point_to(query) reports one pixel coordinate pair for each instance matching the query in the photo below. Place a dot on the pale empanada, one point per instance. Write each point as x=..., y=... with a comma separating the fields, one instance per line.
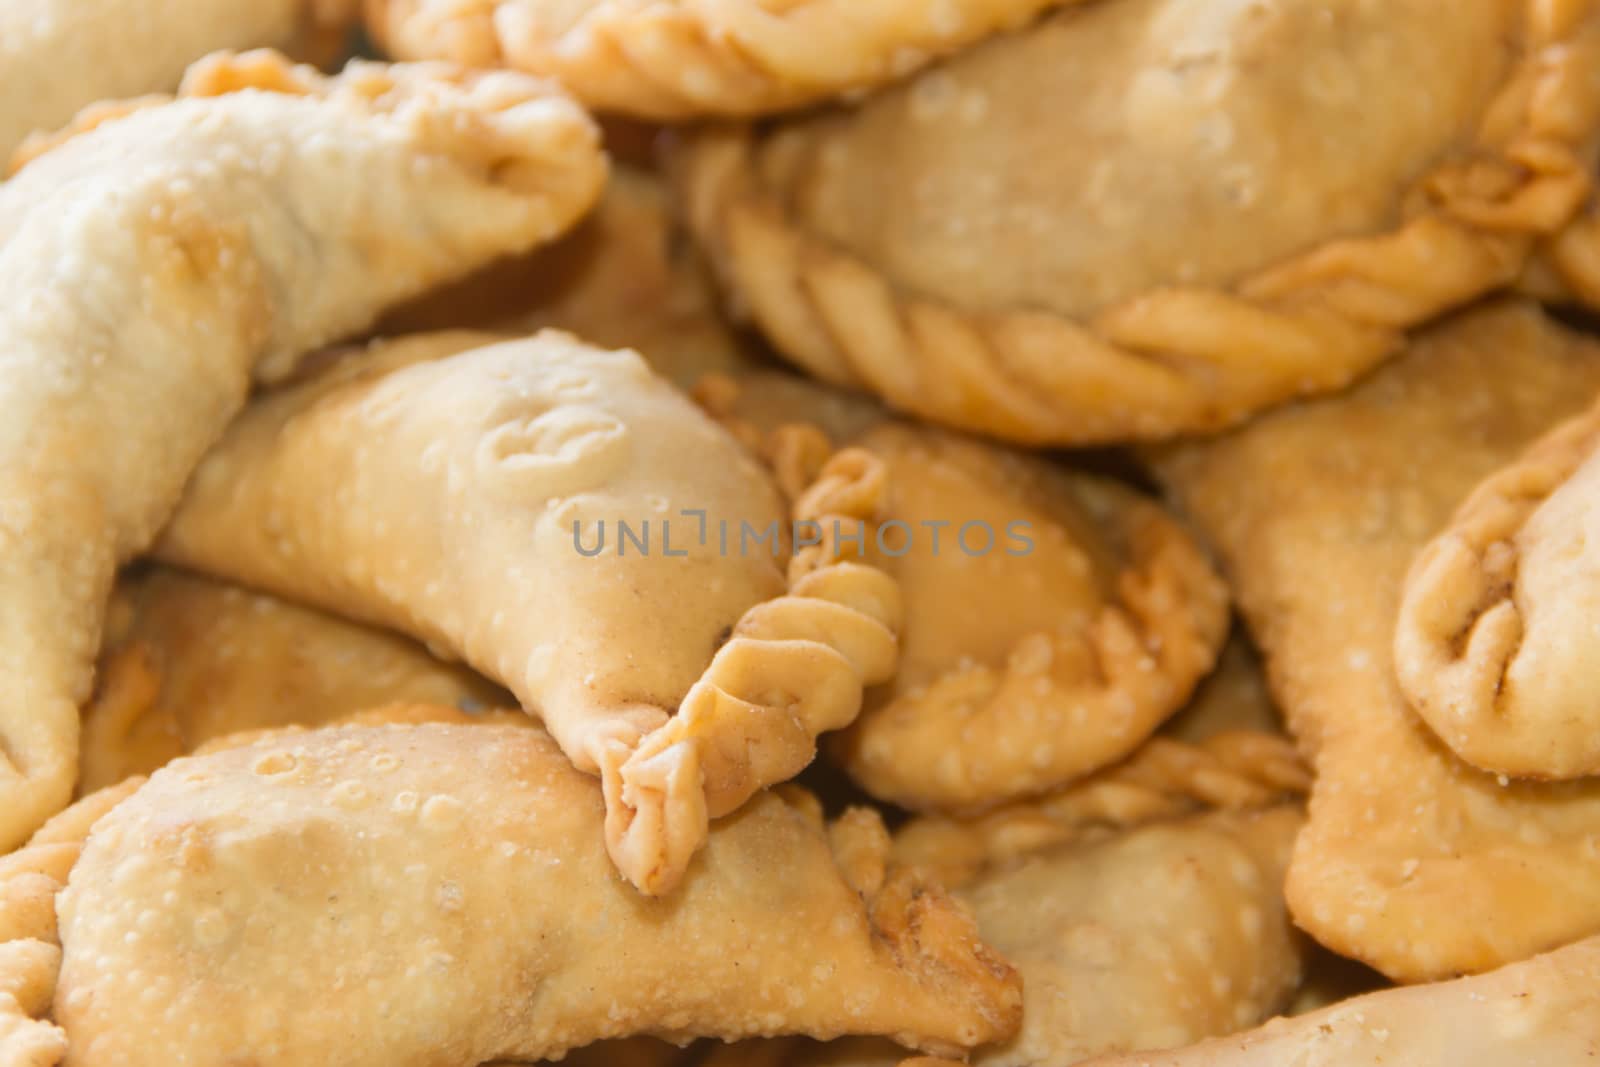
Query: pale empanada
x=474, y=499
x=1495, y=644
x=154, y=262
x=200, y=659
x=1412, y=860
x=626, y=277
x=59, y=56
x=1053, y=618
x=1539, y=1013
x=452, y=902
x=1141, y=217
x=676, y=59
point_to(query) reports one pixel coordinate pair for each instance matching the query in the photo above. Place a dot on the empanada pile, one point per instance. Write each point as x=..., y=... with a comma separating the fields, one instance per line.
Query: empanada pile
x=799, y=533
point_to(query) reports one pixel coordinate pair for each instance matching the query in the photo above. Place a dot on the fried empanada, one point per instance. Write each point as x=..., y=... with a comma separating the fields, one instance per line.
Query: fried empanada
x=625, y=278
x=678, y=59
x=452, y=902
x=59, y=56
x=153, y=263
x=1053, y=618
x=1495, y=644
x=1142, y=217
x=1146, y=940
x=200, y=659
x=1412, y=860
x=465, y=498
x=1538, y=1012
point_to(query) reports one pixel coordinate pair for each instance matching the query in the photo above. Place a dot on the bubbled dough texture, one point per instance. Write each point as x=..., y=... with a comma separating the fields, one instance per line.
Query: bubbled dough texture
x=57, y=56
x=1153, y=939
x=1555, y=670
x=229, y=659
x=436, y=492
x=975, y=608
x=1137, y=143
x=435, y=894
x=1412, y=860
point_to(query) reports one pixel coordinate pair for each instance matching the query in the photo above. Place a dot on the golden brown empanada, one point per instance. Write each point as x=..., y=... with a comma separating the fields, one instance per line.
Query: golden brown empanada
x=1412, y=860
x=1142, y=217
x=153, y=263
x=58, y=56
x=452, y=902
x=473, y=496
x=676, y=59
x=1495, y=644
x=1053, y=618
x=200, y=659
x=1538, y=1012
x=626, y=277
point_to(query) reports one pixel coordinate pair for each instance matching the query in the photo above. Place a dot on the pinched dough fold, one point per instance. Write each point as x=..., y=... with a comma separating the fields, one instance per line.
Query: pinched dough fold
x=1145, y=217
x=473, y=495
x=155, y=262
x=1495, y=644
x=453, y=902
x=678, y=59
x=1412, y=860
x=59, y=56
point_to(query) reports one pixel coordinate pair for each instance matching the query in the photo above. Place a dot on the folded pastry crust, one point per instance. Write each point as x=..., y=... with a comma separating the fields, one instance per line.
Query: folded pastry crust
x=1054, y=618
x=626, y=277
x=1539, y=1011
x=198, y=659
x=473, y=496
x=454, y=903
x=1144, y=217
x=58, y=56
x=155, y=262
x=1495, y=643
x=1412, y=860
x=678, y=59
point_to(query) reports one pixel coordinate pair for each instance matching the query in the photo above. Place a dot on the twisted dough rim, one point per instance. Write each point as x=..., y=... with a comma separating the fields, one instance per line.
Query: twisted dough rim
x=672, y=60
x=1459, y=627
x=30, y=942
x=1137, y=661
x=1175, y=359
x=792, y=668
x=1239, y=770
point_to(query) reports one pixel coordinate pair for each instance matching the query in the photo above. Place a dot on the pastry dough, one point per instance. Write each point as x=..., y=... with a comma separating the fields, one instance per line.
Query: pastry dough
x=461, y=500
x=58, y=56
x=677, y=59
x=1495, y=644
x=1053, y=618
x=153, y=262
x=452, y=887
x=625, y=278
x=1540, y=1011
x=200, y=659
x=1143, y=217
x=1412, y=860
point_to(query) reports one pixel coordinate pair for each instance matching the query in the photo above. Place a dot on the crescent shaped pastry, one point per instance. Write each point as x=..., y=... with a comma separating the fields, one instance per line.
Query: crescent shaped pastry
x=1146, y=217
x=1494, y=643
x=59, y=56
x=626, y=277
x=680, y=59
x=475, y=498
x=199, y=659
x=1412, y=860
x=154, y=262
x=1054, y=618
x=1539, y=1011
x=453, y=902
